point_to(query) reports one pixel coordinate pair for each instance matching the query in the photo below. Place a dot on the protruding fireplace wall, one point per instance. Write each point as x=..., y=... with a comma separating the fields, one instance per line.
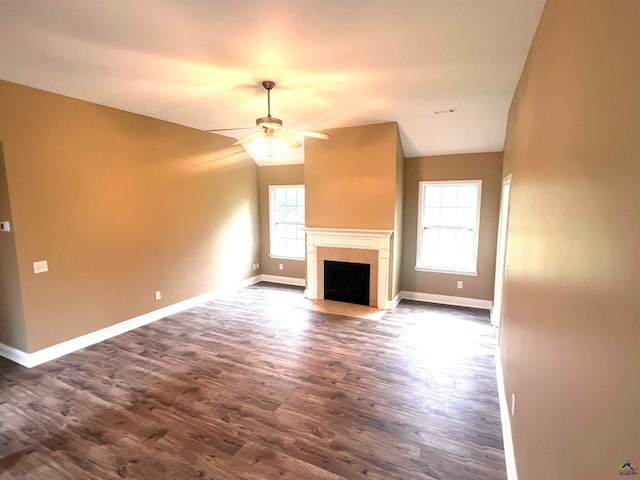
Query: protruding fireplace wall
x=351, y=183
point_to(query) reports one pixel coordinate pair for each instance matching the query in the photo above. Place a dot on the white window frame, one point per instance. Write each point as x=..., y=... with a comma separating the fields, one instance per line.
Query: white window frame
x=420, y=267
x=272, y=189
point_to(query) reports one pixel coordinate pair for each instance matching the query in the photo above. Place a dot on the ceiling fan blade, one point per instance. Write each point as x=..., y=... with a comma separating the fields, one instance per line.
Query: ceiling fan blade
x=292, y=142
x=229, y=129
x=271, y=127
x=248, y=138
x=306, y=133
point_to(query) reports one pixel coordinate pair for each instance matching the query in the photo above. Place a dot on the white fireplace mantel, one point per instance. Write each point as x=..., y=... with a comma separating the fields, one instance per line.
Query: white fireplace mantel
x=379, y=240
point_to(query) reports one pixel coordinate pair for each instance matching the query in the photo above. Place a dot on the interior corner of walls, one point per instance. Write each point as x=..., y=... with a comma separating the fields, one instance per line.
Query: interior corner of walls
x=15, y=355
x=393, y=302
x=13, y=330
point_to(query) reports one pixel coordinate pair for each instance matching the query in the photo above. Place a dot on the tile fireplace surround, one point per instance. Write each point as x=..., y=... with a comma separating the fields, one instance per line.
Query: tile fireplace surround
x=346, y=245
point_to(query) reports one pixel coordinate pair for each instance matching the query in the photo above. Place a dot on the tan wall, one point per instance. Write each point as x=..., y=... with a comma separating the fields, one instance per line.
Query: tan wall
x=476, y=166
x=571, y=320
x=277, y=175
x=120, y=206
x=398, y=233
x=12, y=326
x=350, y=179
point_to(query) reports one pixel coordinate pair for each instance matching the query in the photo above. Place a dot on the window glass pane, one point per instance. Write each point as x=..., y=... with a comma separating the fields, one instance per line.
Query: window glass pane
x=432, y=216
x=432, y=195
x=466, y=217
x=291, y=213
x=279, y=246
x=280, y=197
x=450, y=196
x=292, y=247
x=287, y=221
x=431, y=237
x=447, y=235
x=468, y=195
x=292, y=196
x=449, y=214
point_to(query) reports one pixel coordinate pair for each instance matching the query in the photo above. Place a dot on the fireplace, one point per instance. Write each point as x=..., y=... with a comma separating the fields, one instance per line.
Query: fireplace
x=347, y=282
x=370, y=247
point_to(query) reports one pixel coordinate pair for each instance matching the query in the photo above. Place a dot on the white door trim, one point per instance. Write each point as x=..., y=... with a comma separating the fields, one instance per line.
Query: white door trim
x=501, y=253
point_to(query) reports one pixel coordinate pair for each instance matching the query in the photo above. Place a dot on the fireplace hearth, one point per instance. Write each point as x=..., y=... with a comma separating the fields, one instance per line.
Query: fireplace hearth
x=347, y=282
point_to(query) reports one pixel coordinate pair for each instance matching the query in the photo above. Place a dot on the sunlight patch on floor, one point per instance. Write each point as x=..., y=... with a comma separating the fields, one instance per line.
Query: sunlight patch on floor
x=340, y=308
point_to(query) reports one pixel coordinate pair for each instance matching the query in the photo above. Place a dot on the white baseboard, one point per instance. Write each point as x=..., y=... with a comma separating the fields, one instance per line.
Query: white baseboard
x=446, y=300
x=14, y=354
x=391, y=304
x=509, y=456
x=299, y=282
x=50, y=353
x=55, y=351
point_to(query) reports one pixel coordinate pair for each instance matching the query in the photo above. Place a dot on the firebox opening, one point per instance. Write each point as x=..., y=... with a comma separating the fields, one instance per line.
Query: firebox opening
x=347, y=282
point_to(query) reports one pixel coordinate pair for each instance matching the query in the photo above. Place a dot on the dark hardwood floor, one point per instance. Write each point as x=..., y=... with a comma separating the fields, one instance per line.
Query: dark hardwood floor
x=251, y=388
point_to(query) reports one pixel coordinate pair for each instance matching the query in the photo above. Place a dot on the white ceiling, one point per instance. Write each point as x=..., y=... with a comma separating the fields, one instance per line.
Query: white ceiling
x=336, y=62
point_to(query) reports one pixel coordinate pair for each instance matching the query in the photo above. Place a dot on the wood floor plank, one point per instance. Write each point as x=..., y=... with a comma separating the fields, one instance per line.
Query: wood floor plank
x=254, y=386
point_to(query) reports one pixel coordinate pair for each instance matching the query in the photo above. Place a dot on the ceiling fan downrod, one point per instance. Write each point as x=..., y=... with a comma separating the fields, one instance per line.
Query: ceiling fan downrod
x=269, y=121
x=268, y=85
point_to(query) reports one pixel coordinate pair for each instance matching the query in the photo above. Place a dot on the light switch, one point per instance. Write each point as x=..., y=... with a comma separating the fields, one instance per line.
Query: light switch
x=40, y=267
x=5, y=227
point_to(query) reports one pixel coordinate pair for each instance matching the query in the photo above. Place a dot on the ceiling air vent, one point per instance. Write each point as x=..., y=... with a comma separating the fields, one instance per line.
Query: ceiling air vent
x=448, y=110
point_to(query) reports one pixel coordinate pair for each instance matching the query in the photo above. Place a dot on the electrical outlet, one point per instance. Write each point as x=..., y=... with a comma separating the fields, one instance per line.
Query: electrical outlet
x=257, y=265
x=253, y=266
x=5, y=227
x=158, y=295
x=513, y=404
x=281, y=267
x=459, y=283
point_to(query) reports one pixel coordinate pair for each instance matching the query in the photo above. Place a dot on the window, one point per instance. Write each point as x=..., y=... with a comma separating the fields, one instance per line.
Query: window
x=286, y=218
x=448, y=226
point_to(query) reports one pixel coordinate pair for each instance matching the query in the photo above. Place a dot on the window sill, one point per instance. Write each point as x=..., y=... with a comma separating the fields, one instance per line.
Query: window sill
x=283, y=257
x=447, y=272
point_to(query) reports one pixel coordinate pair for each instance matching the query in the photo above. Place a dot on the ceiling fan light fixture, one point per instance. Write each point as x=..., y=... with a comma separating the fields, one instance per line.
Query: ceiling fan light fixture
x=270, y=146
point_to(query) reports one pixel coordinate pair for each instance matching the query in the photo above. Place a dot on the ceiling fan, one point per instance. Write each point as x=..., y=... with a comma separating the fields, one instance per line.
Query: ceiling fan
x=270, y=137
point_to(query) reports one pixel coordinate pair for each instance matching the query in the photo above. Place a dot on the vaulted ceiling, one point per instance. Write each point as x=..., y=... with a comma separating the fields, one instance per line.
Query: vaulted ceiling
x=336, y=63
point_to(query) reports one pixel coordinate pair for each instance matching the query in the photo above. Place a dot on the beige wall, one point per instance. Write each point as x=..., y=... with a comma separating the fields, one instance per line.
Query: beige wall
x=398, y=234
x=277, y=175
x=477, y=166
x=571, y=320
x=120, y=206
x=12, y=327
x=351, y=178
